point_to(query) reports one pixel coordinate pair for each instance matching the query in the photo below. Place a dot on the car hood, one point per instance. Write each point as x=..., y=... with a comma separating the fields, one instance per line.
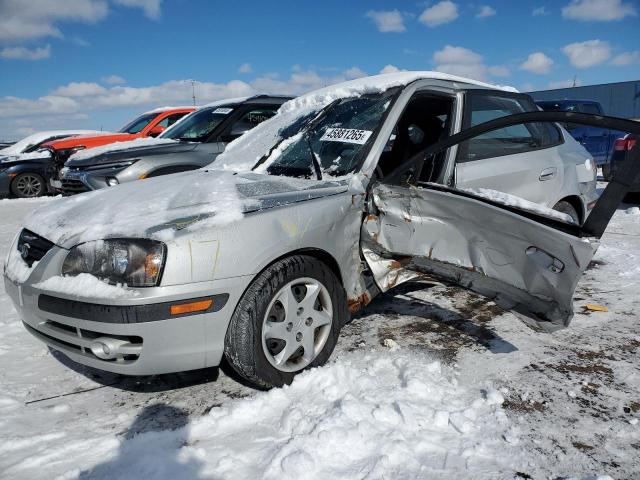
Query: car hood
x=160, y=207
x=130, y=153
x=89, y=140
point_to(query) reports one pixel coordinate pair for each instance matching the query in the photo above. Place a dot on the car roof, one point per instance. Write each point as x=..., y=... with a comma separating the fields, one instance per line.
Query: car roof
x=255, y=99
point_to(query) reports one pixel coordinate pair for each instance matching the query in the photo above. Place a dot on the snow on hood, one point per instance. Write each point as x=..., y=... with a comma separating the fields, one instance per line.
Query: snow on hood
x=36, y=138
x=26, y=156
x=112, y=147
x=156, y=207
x=243, y=153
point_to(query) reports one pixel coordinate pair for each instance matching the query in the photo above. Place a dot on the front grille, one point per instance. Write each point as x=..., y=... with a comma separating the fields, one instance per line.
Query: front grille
x=32, y=247
x=70, y=186
x=79, y=341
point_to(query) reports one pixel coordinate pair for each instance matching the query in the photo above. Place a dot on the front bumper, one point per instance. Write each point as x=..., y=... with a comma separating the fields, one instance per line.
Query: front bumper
x=151, y=346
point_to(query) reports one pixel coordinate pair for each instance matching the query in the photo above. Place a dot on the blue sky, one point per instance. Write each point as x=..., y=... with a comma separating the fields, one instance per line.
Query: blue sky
x=96, y=63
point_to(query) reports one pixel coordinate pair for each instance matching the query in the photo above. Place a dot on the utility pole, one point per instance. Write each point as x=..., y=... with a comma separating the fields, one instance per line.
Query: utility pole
x=575, y=78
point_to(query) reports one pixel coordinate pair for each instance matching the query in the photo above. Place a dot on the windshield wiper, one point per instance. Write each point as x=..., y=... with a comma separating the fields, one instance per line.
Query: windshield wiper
x=306, y=129
x=314, y=158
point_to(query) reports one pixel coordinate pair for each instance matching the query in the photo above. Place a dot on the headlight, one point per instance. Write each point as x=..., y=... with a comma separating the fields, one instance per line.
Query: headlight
x=134, y=262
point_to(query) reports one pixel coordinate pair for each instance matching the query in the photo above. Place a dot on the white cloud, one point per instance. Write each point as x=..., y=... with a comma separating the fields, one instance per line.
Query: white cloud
x=587, y=54
x=598, y=10
x=538, y=63
x=151, y=8
x=564, y=84
x=466, y=63
x=387, y=21
x=80, y=89
x=24, y=20
x=113, y=80
x=626, y=58
x=440, y=13
x=485, y=11
x=23, y=53
x=245, y=68
x=390, y=69
x=354, y=72
x=540, y=11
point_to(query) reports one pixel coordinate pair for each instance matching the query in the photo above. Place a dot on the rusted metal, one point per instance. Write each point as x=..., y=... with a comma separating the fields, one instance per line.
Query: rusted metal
x=356, y=304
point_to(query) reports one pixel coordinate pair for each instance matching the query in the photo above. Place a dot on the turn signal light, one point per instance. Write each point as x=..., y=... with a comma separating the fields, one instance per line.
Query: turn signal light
x=199, y=306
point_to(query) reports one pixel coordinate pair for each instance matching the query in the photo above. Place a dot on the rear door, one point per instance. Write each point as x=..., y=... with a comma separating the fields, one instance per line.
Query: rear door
x=501, y=247
x=519, y=160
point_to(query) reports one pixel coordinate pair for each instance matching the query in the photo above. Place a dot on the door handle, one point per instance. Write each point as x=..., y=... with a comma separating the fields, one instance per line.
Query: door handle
x=547, y=174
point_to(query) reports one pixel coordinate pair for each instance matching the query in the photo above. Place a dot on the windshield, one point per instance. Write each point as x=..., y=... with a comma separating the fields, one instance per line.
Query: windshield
x=198, y=126
x=339, y=138
x=139, y=123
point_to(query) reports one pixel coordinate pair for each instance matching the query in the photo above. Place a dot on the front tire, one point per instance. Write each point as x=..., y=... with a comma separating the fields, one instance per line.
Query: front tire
x=288, y=320
x=28, y=185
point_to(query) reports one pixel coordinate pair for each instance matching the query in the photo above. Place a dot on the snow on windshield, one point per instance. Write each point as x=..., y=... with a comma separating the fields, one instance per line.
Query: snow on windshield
x=113, y=147
x=243, y=153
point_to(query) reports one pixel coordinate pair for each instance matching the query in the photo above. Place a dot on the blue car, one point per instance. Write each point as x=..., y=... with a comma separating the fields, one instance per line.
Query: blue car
x=597, y=141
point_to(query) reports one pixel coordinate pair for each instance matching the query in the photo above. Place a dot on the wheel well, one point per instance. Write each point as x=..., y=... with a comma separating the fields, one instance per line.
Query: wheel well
x=316, y=253
x=575, y=203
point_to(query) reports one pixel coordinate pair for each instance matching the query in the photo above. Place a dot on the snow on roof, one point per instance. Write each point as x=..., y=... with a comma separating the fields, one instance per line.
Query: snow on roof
x=244, y=152
x=164, y=109
x=39, y=137
x=226, y=101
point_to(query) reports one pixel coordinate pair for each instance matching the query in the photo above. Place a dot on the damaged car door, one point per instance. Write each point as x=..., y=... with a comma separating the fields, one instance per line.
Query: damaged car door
x=523, y=260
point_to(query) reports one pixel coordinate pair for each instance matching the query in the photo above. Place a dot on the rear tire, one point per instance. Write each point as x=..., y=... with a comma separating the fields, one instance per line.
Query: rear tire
x=28, y=185
x=565, y=207
x=606, y=172
x=288, y=320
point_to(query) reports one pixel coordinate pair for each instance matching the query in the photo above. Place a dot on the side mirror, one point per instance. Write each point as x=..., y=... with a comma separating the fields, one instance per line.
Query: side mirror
x=155, y=131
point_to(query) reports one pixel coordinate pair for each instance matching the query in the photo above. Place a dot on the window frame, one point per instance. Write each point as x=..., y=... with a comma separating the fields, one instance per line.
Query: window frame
x=463, y=148
x=224, y=129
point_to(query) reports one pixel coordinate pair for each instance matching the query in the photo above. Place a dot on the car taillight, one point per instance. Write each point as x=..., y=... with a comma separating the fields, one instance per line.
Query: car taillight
x=624, y=144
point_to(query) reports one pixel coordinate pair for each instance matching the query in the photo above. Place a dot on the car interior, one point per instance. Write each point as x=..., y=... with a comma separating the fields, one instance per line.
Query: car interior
x=425, y=121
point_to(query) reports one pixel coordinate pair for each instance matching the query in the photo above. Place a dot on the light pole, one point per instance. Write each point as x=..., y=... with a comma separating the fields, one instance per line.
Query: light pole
x=193, y=90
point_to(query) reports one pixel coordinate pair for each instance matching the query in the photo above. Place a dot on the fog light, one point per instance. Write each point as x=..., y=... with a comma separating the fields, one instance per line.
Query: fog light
x=112, y=181
x=101, y=350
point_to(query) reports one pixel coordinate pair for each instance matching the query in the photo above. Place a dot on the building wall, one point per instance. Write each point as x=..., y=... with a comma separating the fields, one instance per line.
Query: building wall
x=617, y=99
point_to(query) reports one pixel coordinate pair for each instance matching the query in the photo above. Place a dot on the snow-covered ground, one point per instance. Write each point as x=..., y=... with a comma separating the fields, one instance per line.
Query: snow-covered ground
x=427, y=382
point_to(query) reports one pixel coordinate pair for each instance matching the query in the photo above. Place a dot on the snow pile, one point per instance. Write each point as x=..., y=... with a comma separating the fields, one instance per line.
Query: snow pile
x=373, y=415
x=518, y=202
x=147, y=208
x=85, y=285
x=116, y=146
x=243, y=153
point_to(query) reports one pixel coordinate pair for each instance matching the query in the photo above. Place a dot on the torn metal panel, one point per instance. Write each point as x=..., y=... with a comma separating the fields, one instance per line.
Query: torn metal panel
x=521, y=264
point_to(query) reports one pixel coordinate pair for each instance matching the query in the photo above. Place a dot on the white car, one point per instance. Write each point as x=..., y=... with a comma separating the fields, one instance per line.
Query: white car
x=345, y=193
x=31, y=143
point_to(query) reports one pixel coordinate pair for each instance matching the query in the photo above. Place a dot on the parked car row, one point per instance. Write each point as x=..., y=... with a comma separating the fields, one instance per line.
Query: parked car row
x=342, y=194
